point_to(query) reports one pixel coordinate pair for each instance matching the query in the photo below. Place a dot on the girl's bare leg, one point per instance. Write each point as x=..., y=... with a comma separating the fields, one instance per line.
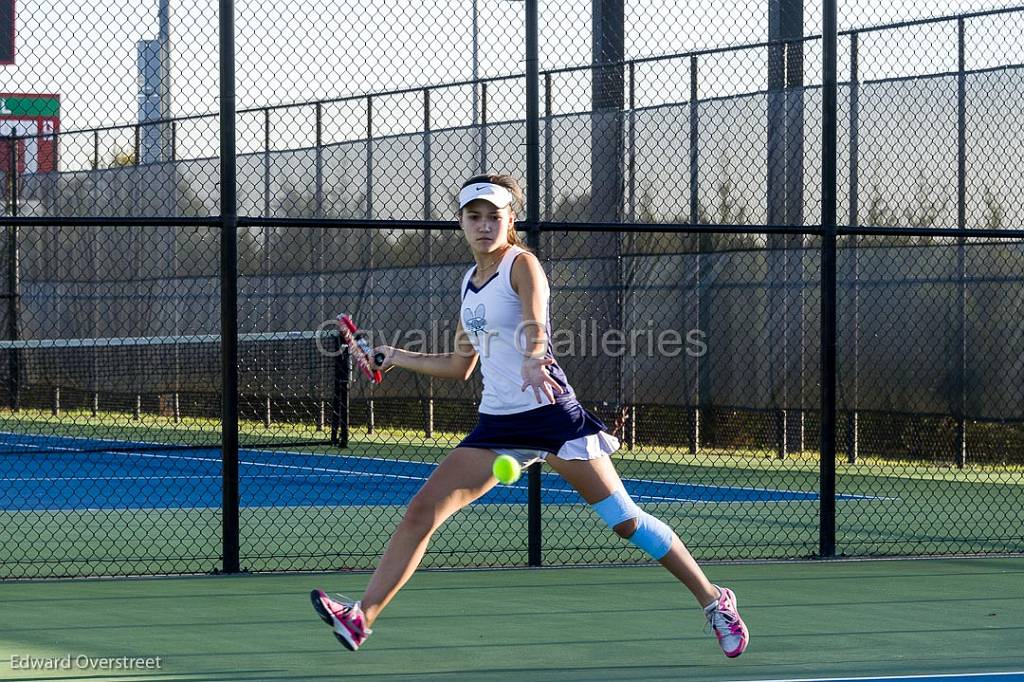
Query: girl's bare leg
x=596, y=479
x=463, y=476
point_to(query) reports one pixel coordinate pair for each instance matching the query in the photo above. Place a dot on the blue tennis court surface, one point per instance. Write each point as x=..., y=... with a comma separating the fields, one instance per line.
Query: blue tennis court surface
x=53, y=473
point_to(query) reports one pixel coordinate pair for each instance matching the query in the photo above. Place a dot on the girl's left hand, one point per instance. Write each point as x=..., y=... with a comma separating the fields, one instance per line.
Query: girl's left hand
x=535, y=376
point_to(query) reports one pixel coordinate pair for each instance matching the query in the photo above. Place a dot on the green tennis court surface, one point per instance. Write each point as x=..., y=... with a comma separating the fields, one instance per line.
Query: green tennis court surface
x=870, y=619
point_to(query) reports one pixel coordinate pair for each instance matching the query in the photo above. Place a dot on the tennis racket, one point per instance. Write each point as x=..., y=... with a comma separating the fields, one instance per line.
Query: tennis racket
x=362, y=353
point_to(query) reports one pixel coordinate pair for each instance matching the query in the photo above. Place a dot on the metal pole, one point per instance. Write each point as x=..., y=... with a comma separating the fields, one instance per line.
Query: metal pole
x=626, y=278
x=175, y=271
x=165, y=78
x=55, y=159
x=263, y=354
x=340, y=402
x=483, y=128
x=549, y=151
x=629, y=416
x=229, y=289
x=703, y=246
x=369, y=157
x=960, y=454
x=428, y=246
x=321, y=301
x=631, y=153
x=318, y=162
x=13, y=281
x=372, y=307
x=94, y=311
x=534, y=529
x=694, y=167
x=827, y=529
x=476, y=61
x=853, y=420
x=266, y=167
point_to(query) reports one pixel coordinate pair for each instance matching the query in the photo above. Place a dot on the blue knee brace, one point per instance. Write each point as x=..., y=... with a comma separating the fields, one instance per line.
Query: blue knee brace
x=652, y=535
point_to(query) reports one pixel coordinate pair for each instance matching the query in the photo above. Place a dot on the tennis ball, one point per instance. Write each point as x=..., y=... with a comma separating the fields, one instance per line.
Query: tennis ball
x=506, y=469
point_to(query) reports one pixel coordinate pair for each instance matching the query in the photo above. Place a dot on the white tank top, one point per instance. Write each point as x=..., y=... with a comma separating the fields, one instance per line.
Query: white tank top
x=491, y=317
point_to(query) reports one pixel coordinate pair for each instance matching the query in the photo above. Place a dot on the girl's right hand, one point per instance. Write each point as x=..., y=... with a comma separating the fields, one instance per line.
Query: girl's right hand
x=536, y=376
x=389, y=357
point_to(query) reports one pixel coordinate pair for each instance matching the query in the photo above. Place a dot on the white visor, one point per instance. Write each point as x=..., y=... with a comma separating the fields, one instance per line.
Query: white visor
x=496, y=194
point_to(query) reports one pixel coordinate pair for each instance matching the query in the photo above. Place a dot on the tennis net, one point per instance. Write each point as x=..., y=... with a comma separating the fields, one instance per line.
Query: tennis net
x=165, y=391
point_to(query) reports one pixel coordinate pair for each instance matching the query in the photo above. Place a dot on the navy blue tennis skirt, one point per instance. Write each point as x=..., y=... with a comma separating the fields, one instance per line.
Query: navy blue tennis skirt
x=544, y=428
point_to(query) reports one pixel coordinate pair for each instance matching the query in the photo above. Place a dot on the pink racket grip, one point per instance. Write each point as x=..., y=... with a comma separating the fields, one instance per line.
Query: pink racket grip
x=373, y=375
x=349, y=324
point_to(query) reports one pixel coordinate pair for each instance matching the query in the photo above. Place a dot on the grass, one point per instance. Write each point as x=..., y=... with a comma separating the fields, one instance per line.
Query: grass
x=388, y=442
x=914, y=508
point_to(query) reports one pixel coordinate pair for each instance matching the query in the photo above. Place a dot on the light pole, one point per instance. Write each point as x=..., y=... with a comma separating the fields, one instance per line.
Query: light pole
x=154, y=65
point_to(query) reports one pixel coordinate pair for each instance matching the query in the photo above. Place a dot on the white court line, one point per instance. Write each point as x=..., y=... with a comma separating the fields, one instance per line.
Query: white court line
x=947, y=676
x=89, y=438
x=323, y=471
x=847, y=496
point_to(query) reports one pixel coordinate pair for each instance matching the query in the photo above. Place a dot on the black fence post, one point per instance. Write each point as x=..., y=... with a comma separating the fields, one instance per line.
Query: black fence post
x=340, y=396
x=853, y=419
x=371, y=305
x=829, y=105
x=549, y=150
x=320, y=264
x=428, y=248
x=483, y=127
x=628, y=413
x=228, y=290
x=534, y=555
x=13, y=280
x=266, y=169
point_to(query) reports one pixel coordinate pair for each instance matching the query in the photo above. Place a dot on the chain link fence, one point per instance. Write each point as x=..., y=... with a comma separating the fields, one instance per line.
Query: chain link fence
x=785, y=269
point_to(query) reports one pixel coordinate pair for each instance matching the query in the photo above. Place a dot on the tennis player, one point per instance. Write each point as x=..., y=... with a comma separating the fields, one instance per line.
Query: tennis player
x=528, y=410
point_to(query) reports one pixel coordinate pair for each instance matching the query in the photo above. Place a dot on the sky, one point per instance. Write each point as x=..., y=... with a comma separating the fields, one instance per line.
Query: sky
x=314, y=49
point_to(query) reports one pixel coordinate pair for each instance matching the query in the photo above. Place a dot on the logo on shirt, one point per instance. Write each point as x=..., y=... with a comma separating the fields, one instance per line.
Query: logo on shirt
x=474, y=320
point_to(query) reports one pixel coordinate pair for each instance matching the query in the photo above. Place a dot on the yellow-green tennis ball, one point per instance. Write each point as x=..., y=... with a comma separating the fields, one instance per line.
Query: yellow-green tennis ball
x=506, y=469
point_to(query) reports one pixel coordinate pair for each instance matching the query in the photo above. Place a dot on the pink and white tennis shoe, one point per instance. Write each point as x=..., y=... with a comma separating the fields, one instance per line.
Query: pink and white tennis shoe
x=725, y=620
x=345, y=617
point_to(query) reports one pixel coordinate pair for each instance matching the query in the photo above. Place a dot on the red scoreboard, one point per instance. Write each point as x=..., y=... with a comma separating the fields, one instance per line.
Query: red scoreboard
x=31, y=122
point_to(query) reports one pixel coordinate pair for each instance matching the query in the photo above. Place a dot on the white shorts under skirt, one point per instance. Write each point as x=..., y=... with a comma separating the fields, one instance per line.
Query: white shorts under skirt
x=588, y=447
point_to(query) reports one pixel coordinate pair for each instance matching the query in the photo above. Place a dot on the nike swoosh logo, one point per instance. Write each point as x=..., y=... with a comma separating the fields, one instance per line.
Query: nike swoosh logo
x=480, y=188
